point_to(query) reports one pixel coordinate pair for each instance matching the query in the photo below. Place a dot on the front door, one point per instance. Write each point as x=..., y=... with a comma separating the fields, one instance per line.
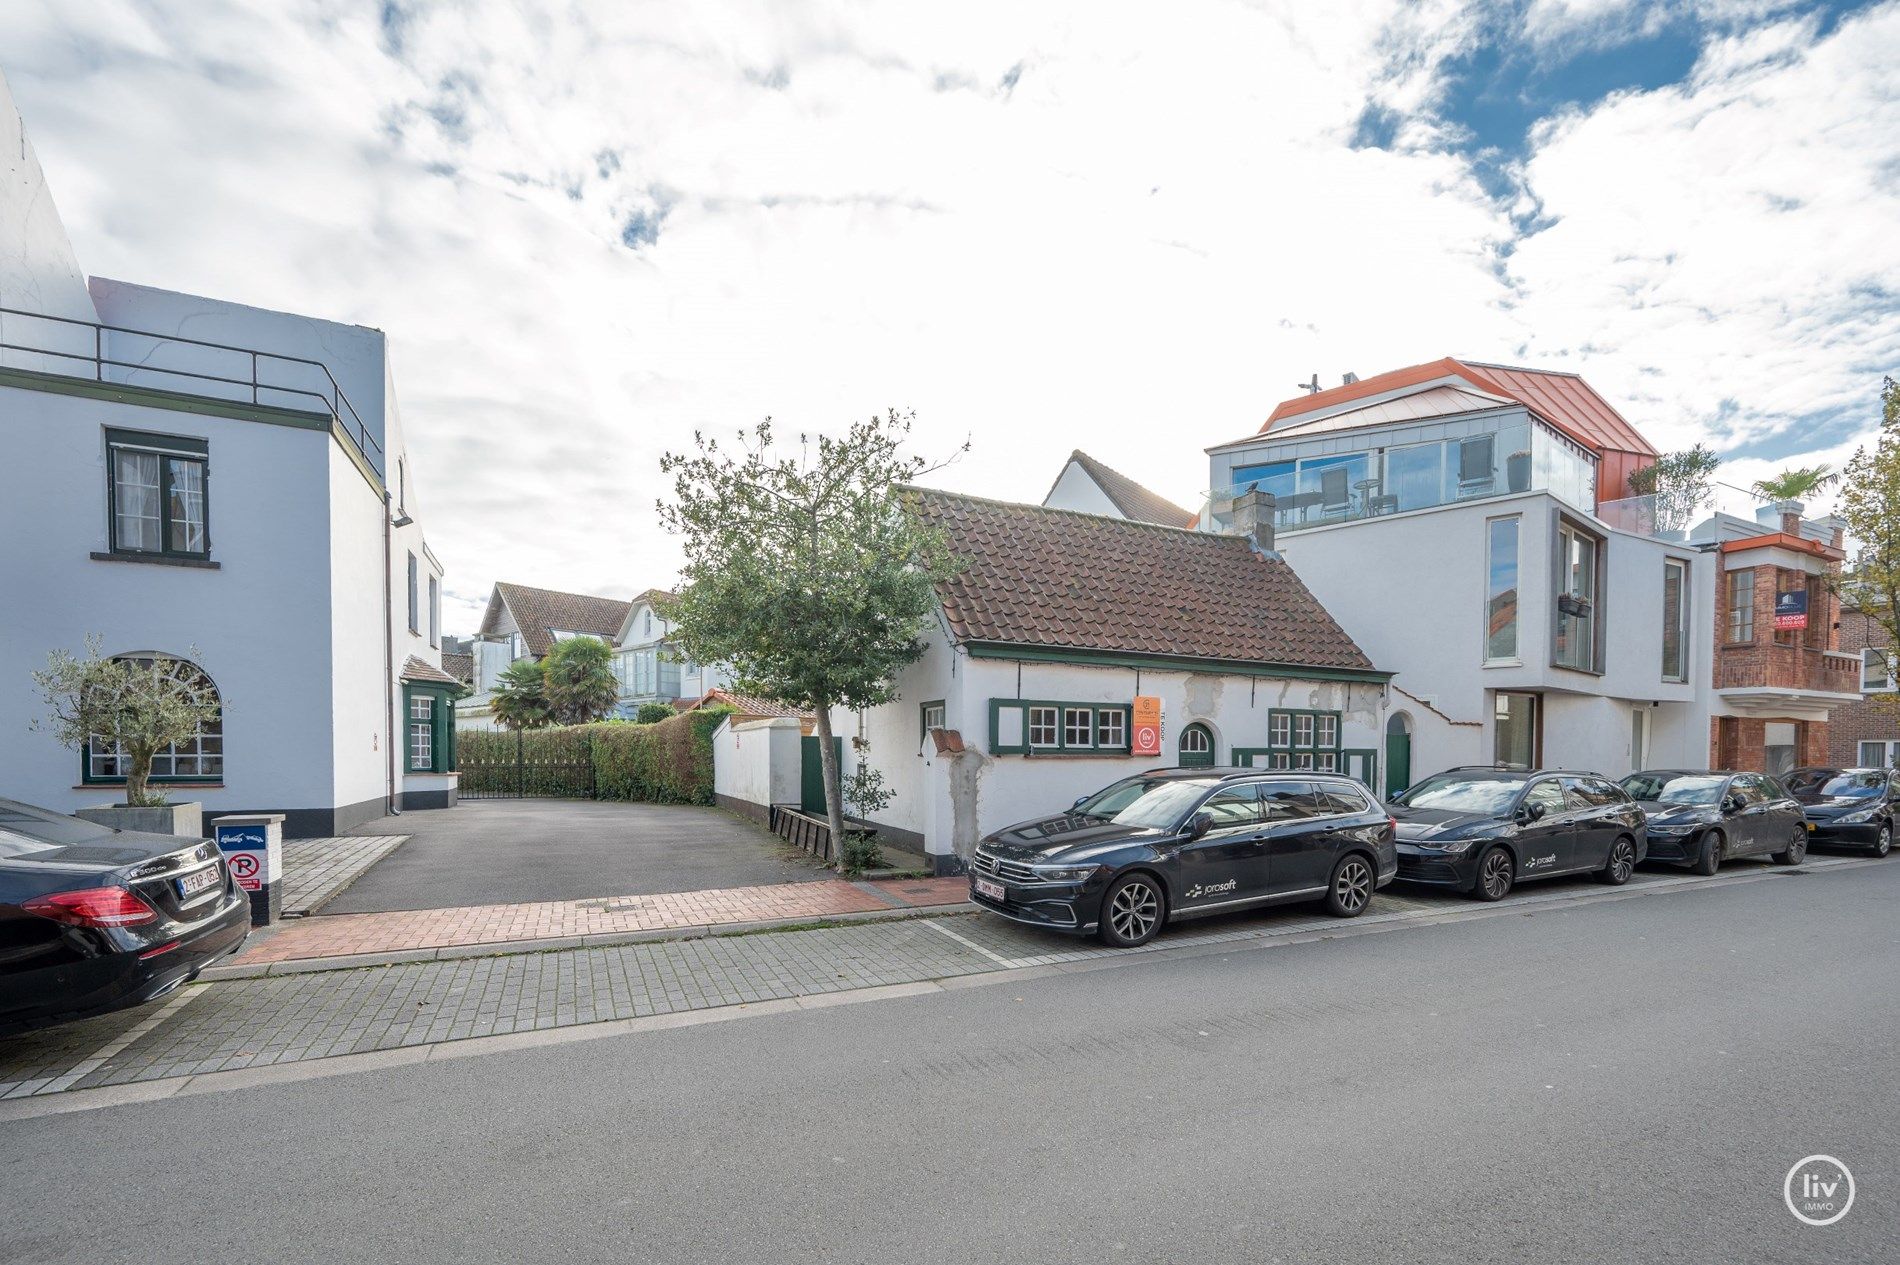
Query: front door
x=1544, y=846
x=811, y=771
x=1299, y=844
x=1398, y=756
x=1196, y=749
x=1228, y=863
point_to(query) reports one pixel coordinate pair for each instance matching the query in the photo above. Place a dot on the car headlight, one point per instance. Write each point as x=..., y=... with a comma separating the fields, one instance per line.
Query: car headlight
x=1670, y=827
x=1859, y=815
x=1066, y=873
x=1453, y=846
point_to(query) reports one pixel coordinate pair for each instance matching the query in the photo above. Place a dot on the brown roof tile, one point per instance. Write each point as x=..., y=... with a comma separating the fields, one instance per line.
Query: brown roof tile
x=459, y=666
x=751, y=705
x=1063, y=579
x=1133, y=500
x=538, y=613
x=414, y=669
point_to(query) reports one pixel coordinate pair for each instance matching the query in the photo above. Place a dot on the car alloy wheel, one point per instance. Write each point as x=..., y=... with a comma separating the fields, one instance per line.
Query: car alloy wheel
x=1797, y=850
x=1883, y=842
x=1622, y=863
x=1351, y=890
x=1132, y=911
x=1496, y=874
x=1709, y=859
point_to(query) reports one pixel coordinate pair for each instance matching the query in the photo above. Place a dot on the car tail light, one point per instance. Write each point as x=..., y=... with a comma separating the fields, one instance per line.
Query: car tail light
x=93, y=907
x=1394, y=823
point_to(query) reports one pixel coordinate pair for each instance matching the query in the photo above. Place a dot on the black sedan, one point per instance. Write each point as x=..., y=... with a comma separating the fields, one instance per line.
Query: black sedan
x=94, y=919
x=1701, y=818
x=1852, y=808
x=1178, y=843
x=1484, y=830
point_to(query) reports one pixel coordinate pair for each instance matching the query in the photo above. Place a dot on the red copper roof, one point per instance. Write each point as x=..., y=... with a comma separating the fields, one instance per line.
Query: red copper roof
x=1564, y=400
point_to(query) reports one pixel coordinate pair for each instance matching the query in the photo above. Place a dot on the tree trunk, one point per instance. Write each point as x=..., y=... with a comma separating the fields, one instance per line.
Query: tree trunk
x=138, y=771
x=834, y=782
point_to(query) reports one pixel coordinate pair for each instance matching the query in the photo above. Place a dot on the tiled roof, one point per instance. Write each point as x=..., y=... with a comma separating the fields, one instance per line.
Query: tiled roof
x=1061, y=579
x=538, y=613
x=414, y=669
x=459, y=666
x=1564, y=400
x=1133, y=500
x=751, y=705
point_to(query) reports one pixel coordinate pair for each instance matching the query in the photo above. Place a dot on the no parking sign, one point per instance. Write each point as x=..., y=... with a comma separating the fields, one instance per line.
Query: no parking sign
x=253, y=847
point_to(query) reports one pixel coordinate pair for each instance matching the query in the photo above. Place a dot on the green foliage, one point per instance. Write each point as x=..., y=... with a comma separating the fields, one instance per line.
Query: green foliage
x=1870, y=506
x=861, y=852
x=143, y=704
x=803, y=570
x=1797, y=483
x=666, y=763
x=520, y=698
x=579, y=680
x=1680, y=483
x=653, y=713
x=865, y=791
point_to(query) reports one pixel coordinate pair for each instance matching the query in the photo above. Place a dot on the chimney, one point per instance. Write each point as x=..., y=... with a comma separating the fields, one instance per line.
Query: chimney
x=1791, y=522
x=1253, y=518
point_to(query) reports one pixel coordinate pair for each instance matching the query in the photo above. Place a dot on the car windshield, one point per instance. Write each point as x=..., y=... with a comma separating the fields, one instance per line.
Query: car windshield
x=1463, y=793
x=1675, y=788
x=1847, y=783
x=1156, y=802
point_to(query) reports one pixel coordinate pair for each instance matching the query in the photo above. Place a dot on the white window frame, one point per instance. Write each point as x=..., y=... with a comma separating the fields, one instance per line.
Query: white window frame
x=421, y=733
x=1078, y=720
x=1889, y=749
x=1280, y=730
x=1885, y=682
x=1111, y=728
x=1034, y=721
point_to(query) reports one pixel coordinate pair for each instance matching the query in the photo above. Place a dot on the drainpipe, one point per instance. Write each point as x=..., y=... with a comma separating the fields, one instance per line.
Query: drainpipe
x=390, y=807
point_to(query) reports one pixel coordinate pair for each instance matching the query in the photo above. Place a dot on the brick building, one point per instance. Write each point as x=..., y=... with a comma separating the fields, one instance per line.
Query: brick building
x=1866, y=732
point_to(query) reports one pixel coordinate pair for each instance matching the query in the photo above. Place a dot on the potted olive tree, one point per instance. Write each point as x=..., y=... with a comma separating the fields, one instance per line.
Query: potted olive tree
x=141, y=706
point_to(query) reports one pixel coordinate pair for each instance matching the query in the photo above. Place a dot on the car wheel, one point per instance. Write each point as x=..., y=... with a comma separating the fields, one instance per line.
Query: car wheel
x=1797, y=850
x=1710, y=859
x=1497, y=873
x=1133, y=909
x=1351, y=889
x=1883, y=842
x=1622, y=863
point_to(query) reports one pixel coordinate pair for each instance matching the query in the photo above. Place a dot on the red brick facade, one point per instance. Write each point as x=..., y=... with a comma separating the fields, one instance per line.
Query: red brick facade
x=1877, y=719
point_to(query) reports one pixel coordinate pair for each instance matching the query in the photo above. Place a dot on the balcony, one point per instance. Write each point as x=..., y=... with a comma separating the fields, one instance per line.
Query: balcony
x=1765, y=678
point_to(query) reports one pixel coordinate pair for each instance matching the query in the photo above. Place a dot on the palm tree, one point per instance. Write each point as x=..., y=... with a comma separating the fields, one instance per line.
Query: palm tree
x=520, y=698
x=1796, y=483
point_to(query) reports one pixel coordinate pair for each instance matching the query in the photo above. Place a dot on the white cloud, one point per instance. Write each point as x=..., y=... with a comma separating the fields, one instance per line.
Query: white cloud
x=1043, y=227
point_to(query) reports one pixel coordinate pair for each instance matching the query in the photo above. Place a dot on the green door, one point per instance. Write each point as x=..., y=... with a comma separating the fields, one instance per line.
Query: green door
x=1196, y=750
x=1398, y=760
x=811, y=773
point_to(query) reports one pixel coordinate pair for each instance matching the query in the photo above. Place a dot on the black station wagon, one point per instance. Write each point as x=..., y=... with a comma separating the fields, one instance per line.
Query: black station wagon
x=1178, y=843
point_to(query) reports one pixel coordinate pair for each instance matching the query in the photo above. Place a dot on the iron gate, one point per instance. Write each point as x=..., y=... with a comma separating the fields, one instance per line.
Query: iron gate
x=545, y=765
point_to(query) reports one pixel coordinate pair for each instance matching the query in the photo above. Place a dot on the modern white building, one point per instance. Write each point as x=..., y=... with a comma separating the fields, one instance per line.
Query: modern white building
x=1077, y=648
x=1473, y=527
x=650, y=668
x=227, y=488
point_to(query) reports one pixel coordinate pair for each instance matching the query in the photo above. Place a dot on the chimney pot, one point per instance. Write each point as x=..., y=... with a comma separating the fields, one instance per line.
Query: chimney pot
x=1253, y=518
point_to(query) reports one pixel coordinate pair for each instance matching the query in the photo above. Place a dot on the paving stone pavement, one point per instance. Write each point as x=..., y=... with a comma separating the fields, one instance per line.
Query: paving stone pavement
x=317, y=870
x=290, y=1018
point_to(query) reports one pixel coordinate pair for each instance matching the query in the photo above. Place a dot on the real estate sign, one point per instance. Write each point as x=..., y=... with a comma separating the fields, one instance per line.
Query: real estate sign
x=1147, y=718
x=1791, y=609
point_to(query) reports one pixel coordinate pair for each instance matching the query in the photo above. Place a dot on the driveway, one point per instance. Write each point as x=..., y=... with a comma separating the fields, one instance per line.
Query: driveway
x=508, y=851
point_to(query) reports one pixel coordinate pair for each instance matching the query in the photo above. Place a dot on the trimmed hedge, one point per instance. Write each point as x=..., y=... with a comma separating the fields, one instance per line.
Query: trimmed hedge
x=670, y=762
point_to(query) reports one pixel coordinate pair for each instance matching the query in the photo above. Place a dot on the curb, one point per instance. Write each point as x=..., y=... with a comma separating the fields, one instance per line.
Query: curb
x=597, y=940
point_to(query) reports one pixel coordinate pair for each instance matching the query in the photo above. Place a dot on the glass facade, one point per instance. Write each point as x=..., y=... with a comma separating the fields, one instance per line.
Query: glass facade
x=1500, y=606
x=1576, y=599
x=1515, y=730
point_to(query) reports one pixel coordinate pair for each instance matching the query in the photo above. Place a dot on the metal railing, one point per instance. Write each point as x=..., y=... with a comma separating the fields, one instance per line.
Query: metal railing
x=262, y=392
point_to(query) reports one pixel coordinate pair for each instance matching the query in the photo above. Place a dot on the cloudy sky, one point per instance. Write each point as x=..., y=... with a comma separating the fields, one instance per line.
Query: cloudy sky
x=590, y=228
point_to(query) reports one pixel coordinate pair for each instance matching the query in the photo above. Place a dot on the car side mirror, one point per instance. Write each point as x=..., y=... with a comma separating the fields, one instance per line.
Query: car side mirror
x=1731, y=803
x=1199, y=824
x=1531, y=812
x=1079, y=801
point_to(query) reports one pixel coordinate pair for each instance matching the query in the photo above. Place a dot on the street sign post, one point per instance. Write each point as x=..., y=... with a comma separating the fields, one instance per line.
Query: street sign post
x=253, y=847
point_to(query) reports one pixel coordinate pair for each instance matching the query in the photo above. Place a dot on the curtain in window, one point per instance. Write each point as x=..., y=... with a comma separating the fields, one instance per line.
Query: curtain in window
x=135, y=507
x=187, y=505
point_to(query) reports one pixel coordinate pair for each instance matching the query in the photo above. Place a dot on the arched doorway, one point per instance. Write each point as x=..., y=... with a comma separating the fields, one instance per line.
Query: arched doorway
x=1196, y=750
x=1398, y=753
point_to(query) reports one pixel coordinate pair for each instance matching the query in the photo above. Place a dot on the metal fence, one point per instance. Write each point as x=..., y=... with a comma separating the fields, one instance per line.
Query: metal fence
x=500, y=765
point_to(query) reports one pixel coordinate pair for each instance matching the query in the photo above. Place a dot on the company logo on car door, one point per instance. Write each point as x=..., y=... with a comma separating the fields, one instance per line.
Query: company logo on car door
x=1212, y=889
x=1538, y=863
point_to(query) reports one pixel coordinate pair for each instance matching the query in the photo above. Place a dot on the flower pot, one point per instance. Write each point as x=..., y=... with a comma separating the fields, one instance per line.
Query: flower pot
x=165, y=819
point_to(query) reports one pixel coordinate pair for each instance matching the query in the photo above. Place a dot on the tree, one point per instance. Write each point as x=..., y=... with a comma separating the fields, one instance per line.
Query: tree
x=653, y=713
x=1870, y=506
x=520, y=698
x=1679, y=482
x=579, y=682
x=1796, y=483
x=804, y=572
x=141, y=705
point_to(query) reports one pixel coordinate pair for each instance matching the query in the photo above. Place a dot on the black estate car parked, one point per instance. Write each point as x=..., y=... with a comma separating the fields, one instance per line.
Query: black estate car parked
x=94, y=919
x=1483, y=830
x=1854, y=808
x=1176, y=843
x=1701, y=818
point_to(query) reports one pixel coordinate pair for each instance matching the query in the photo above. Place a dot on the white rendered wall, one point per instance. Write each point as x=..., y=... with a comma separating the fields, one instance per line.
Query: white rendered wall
x=1075, y=490
x=757, y=761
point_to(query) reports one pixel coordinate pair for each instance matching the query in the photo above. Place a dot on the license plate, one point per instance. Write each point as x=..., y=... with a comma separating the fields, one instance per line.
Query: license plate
x=1810, y=826
x=994, y=891
x=198, y=884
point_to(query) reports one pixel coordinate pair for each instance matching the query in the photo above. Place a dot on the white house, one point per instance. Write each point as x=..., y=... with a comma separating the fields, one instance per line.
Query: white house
x=1077, y=648
x=225, y=489
x=1086, y=484
x=523, y=622
x=650, y=668
x=1472, y=526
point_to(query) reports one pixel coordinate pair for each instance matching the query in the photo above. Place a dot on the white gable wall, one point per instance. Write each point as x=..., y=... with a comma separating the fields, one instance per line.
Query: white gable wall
x=1075, y=490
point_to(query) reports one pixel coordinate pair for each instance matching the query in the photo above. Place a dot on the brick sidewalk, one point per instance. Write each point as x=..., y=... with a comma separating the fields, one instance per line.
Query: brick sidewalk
x=339, y=935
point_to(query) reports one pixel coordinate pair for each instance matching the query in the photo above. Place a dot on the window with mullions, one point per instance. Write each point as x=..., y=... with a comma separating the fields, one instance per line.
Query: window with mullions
x=199, y=758
x=158, y=495
x=930, y=716
x=421, y=733
x=1297, y=740
x=429, y=737
x=1023, y=727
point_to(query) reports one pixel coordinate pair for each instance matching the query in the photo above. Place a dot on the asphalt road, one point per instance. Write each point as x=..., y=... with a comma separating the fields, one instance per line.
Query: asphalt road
x=506, y=851
x=1619, y=1081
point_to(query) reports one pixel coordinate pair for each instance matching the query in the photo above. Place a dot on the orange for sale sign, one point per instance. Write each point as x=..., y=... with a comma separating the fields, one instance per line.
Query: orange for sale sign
x=1147, y=735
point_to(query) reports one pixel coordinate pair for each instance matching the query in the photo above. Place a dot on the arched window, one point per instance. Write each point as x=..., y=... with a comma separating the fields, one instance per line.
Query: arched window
x=198, y=759
x=1197, y=746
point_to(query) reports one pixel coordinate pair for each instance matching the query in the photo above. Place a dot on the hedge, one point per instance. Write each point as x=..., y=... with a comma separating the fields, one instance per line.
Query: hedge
x=669, y=762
